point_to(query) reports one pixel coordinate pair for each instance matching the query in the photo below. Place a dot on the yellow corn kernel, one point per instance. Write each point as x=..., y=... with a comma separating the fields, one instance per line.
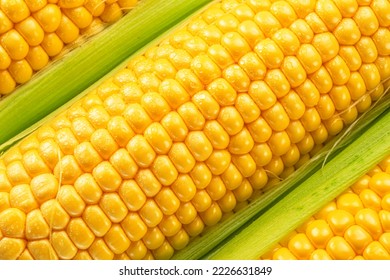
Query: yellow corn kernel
x=170, y=225
x=167, y=201
x=175, y=126
x=370, y=75
x=186, y=213
x=116, y=239
x=320, y=254
x=207, y=105
x=212, y=215
x=261, y=93
x=339, y=221
x=375, y=251
x=380, y=183
x=283, y=12
x=6, y=23
x=247, y=108
x=199, y=146
x=309, y=58
x=201, y=201
x=37, y=58
x=52, y=44
x=79, y=233
x=276, y=117
x=12, y=222
x=267, y=22
x=134, y=227
x=253, y=66
x=302, y=30
x=381, y=34
x=367, y=49
x=270, y=53
x=63, y=246
x=279, y=143
x=49, y=17
x=21, y=71
x=358, y=238
x=349, y=202
x=384, y=240
x=100, y=251
x=338, y=70
x=339, y=249
x=292, y=156
x=7, y=84
x=293, y=105
x=31, y=31
x=241, y=143
x=369, y=220
x=153, y=238
x=132, y=195
x=287, y=41
x=41, y=250
x=151, y=213
x=15, y=45
x=79, y=16
x=327, y=45
x=329, y=13
x=237, y=77
x=232, y=177
x=347, y=32
x=370, y=199
x=227, y=22
x=316, y=23
x=137, y=250
x=283, y=254
x=300, y=246
x=216, y=189
x=6, y=60
x=347, y=8
x=179, y=240
x=277, y=80
x=191, y=116
x=113, y=207
x=67, y=30
x=218, y=161
x=16, y=11
x=366, y=20
x=319, y=233
x=235, y=44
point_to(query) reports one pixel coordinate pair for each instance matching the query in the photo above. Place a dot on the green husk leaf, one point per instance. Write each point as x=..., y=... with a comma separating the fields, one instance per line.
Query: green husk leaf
x=336, y=175
x=70, y=75
x=220, y=234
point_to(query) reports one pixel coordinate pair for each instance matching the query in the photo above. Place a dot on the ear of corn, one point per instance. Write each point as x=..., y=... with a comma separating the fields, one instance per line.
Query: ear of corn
x=188, y=132
x=34, y=32
x=355, y=225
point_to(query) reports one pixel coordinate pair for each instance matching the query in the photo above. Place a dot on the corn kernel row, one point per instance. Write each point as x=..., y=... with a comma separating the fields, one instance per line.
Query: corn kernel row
x=355, y=225
x=188, y=132
x=33, y=32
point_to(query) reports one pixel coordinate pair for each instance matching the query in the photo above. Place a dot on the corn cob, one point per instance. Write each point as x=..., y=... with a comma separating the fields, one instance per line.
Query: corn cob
x=169, y=145
x=33, y=33
x=355, y=225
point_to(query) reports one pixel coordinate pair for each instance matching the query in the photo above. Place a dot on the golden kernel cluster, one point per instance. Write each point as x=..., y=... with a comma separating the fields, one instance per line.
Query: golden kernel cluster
x=33, y=32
